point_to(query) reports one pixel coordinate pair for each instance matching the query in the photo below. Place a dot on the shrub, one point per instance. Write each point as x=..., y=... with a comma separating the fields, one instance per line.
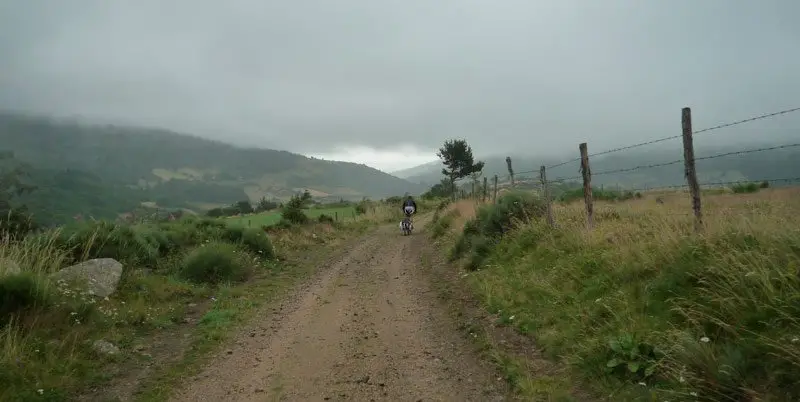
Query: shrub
x=495, y=220
x=323, y=218
x=481, y=249
x=233, y=234
x=214, y=263
x=598, y=194
x=293, y=210
x=745, y=188
x=256, y=241
x=19, y=293
x=103, y=239
x=294, y=215
x=492, y=222
x=215, y=212
x=441, y=224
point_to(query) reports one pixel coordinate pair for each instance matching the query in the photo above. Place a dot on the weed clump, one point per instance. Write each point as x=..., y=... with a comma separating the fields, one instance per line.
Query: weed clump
x=492, y=222
x=257, y=242
x=214, y=263
x=441, y=224
x=19, y=293
x=323, y=218
x=108, y=240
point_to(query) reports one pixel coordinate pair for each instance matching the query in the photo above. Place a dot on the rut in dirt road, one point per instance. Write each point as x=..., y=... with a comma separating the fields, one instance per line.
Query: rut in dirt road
x=368, y=328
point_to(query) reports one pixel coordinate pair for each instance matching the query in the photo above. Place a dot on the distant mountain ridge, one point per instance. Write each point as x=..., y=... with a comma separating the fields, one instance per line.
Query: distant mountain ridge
x=418, y=170
x=156, y=163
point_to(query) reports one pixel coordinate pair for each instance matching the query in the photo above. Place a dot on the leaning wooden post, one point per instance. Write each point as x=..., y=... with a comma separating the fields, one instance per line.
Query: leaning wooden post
x=689, y=171
x=494, y=197
x=485, y=187
x=546, y=191
x=586, y=172
x=510, y=170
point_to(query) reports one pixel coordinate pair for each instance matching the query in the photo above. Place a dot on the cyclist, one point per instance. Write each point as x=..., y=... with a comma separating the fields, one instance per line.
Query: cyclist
x=409, y=207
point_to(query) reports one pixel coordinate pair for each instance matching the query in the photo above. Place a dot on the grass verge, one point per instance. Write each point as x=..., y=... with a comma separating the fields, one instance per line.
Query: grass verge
x=640, y=308
x=170, y=308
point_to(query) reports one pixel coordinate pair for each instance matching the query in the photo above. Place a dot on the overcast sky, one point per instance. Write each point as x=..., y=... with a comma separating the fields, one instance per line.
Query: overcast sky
x=386, y=82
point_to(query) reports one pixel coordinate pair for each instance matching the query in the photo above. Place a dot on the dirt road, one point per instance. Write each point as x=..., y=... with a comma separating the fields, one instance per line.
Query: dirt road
x=369, y=327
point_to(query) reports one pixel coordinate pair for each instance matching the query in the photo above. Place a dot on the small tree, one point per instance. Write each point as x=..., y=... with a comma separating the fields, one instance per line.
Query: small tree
x=244, y=207
x=293, y=209
x=443, y=189
x=456, y=155
x=265, y=205
x=215, y=212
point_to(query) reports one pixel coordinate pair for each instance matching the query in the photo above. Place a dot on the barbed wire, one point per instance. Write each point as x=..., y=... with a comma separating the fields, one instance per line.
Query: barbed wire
x=763, y=116
x=641, y=144
x=748, y=151
x=672, y=137
x=674, y=162
x=563, y=163
x=707, y=185
x=654, y=165
x=717, y=183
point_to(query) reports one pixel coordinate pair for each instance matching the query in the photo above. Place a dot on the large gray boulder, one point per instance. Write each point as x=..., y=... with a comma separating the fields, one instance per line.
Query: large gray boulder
x=98, y=277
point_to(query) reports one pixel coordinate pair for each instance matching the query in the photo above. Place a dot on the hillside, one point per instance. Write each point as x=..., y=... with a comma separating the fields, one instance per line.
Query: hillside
x=419, y=170
x=771, y=164
x=85, y=162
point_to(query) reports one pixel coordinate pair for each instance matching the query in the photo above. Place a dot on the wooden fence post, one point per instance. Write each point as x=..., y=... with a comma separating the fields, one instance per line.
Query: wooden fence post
x=586, y=172
x=485, y=187
x=546, y=190
x=689, y=171
x=473, y=189
x=494, y=197
x=336, y=215
x=510, y=170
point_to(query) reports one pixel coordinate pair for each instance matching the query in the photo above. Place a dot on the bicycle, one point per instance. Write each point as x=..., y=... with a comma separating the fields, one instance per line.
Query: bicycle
x=406, y=226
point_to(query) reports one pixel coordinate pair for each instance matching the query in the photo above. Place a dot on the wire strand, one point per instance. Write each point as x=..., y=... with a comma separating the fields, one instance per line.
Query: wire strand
x=672, y=137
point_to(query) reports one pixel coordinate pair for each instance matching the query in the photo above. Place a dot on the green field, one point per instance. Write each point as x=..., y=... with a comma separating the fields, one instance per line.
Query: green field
x=272, y=217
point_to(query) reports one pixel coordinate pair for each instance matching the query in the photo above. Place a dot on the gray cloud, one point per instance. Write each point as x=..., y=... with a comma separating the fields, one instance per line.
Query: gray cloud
x=309, y=76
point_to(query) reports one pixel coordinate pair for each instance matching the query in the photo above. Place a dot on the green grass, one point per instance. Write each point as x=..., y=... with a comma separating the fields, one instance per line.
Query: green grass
x=641, y=309
x=272, y=217
x=47, y=328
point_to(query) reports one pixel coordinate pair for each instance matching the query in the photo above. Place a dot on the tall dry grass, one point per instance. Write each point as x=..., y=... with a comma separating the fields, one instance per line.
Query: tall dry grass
x=644, y=308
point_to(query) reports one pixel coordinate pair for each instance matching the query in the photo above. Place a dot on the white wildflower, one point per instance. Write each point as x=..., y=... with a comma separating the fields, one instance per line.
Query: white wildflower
x=705, y=339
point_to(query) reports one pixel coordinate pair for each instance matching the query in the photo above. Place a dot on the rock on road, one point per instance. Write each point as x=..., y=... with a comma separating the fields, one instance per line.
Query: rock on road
x=367, y=328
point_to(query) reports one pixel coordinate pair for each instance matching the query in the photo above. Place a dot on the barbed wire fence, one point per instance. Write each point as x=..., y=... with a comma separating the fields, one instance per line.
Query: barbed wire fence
x=481, y=191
